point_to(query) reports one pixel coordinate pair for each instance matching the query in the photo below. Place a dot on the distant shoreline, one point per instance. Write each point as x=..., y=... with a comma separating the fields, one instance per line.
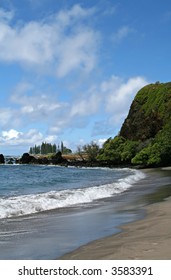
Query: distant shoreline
x=67, y=160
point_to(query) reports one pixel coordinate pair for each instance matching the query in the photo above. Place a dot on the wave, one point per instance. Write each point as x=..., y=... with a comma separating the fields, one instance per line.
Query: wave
x=33, y=203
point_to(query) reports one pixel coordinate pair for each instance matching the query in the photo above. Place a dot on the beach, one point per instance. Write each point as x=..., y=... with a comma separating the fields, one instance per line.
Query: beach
x=48, y=211
x=132, y=223
x=146, y=239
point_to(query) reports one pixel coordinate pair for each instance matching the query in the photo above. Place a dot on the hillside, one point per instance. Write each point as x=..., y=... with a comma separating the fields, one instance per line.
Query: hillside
x=145, y=136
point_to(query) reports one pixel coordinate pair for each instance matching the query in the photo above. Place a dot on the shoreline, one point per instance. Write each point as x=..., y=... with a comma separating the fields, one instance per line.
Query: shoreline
x=148, y=238
x=52, y=234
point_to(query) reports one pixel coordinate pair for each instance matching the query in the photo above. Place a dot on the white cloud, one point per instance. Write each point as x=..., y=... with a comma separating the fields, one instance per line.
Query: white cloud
x=120, y=94
x=5, y=116
x=62, y=42
x=34, y=105
x=32, y=136
x=9, y=117
x=78, y=51
x=11, y=134
x=51, y=139
x=103, y=107
x=26, y=139
x=117, y=96
x=86, y=106
x=100, y=142
x=106, y=105
x=13, y=137
x=122, y=33
x=65, y=17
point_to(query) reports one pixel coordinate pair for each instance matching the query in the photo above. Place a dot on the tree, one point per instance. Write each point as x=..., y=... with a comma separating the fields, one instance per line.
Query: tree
x=43, y=149
x=80, y=152
x=48, y=148
x=158, y=152
x=66, y=150
x=36, y=149
x=54, y=149
x=129, y=150
x=91, y=150
x=62, y=147
x=112, y=150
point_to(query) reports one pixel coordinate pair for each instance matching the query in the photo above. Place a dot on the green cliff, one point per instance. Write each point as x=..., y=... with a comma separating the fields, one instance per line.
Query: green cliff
x=145, y=136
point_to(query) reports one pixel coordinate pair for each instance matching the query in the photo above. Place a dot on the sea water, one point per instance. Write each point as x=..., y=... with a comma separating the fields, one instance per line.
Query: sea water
x=28, y=189
x=46, y=211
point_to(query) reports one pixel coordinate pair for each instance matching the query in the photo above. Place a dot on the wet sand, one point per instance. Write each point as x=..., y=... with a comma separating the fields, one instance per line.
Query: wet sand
x=51, y=234
x=146, y=239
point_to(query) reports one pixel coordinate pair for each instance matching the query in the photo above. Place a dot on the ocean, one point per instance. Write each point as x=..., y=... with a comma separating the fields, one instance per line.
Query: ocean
x=29, y=189
x=47, y=211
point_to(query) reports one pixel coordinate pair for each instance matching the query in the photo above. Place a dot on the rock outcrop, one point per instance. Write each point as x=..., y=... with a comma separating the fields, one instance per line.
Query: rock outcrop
x=58, y=159
x=2, y=159
x=145, y=136
x=149, y=112
x=27, y=158
x=55, y=159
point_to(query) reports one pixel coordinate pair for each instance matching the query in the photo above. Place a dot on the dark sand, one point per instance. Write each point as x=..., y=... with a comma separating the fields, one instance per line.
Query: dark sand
x=145, y=239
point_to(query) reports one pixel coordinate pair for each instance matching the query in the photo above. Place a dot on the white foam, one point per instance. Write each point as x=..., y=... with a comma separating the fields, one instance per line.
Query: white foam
x=34, y=203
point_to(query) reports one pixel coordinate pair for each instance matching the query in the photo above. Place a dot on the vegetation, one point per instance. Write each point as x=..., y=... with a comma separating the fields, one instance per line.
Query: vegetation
x=158, y=152
x=145, y=136
x=48, y=148
x=118, y=150
x=88, y=152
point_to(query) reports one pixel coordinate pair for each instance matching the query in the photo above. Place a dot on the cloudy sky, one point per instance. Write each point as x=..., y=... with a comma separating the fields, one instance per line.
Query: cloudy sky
x=69, y=69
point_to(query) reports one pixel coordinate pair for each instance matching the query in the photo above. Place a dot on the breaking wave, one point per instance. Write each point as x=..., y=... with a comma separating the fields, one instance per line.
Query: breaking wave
x=33, y=203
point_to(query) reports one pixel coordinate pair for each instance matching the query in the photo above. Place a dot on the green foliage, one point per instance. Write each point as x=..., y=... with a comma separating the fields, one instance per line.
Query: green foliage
x=47, y=148
x=154, y=98
x=148, y=156
x=118, y=150
x=91, y=150
x=164, y=143
x=149, y=112
x=157, y=153
x=145, y=136
x=112, y=150
x=129, y=150
x=44, y=149
x=66, y=151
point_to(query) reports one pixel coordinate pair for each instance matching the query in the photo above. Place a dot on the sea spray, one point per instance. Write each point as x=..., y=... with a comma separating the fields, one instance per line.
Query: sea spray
x=19, y=205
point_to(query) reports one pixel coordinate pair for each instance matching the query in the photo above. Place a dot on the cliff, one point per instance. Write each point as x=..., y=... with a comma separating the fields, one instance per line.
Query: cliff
x=145, y=136
x=149, y=112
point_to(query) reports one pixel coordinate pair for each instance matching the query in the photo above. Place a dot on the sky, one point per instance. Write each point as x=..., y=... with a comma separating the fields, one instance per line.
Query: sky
x=69, y=70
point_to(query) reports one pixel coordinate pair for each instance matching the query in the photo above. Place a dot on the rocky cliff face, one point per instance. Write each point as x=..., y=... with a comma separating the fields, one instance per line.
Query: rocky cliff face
x=145, y=136
x=149, y=112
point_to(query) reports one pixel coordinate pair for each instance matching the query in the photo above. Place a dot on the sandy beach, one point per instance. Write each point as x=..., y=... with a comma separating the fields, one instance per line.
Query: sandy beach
x=134, y=224
x=149, y=238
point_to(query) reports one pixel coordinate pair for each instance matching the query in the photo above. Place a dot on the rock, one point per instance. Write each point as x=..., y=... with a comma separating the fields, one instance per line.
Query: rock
x=145, y=136
x=58, y=159
x=43, y=160
x=149, y=112
x=27, y=158
x=10, y=161
x=2, y=159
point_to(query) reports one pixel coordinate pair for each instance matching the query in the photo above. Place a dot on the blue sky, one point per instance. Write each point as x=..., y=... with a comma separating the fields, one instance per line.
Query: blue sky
x=69, y=69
